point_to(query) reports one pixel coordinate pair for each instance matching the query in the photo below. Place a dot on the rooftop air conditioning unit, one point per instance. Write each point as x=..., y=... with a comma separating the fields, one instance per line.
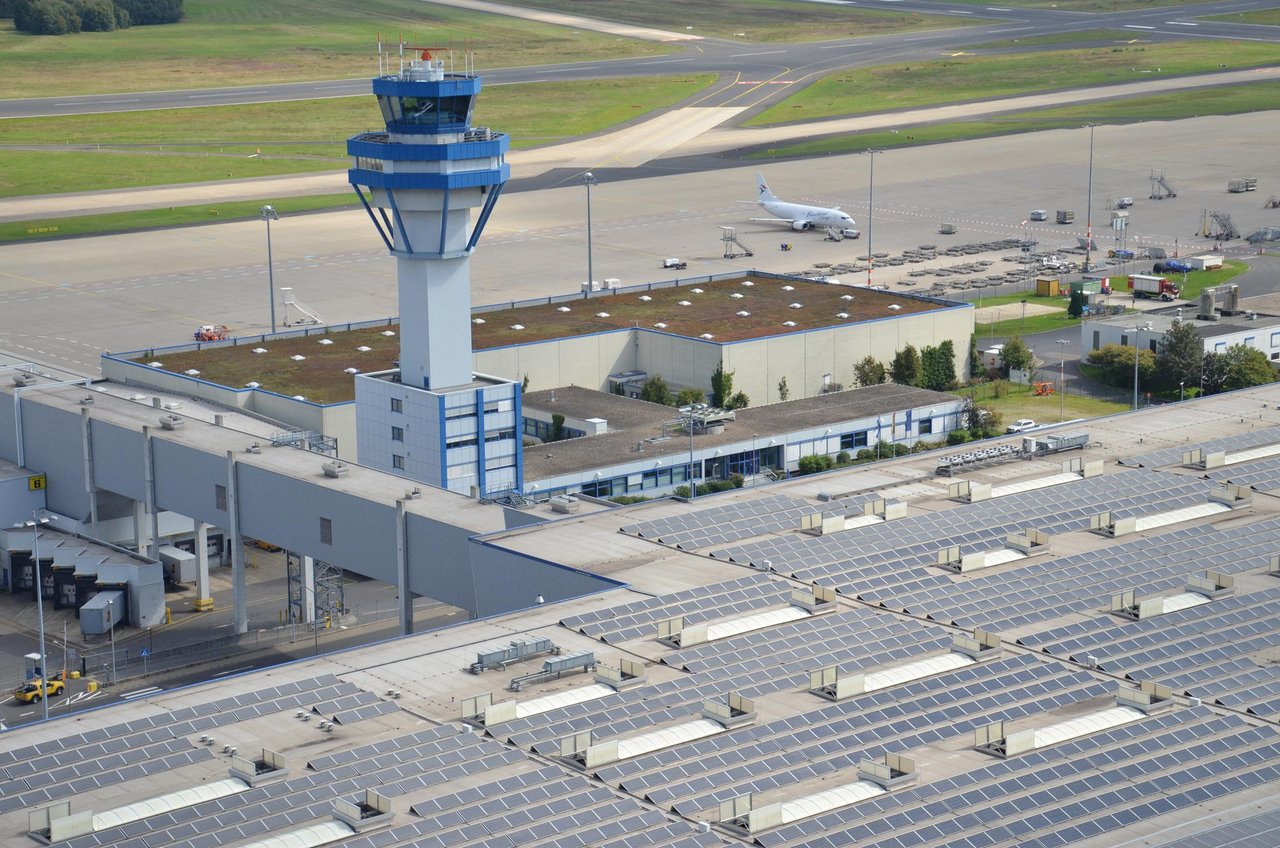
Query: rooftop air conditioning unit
x=171, y=422
x=23, y=379
x=335, y=469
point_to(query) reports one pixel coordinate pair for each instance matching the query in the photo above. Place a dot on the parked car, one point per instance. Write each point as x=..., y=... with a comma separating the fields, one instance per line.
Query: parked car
x=37, y=690
x=1022, y=425
x=1039, y=214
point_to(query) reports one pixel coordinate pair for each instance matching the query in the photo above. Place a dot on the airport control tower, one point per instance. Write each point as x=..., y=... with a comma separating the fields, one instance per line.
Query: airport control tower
x=432, y=419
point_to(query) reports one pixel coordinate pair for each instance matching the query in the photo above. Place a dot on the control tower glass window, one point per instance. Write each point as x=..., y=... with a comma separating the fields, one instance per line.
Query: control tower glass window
x=451, y=113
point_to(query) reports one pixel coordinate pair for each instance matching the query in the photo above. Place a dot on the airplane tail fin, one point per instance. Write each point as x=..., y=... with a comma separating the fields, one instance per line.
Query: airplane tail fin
x=762, y=189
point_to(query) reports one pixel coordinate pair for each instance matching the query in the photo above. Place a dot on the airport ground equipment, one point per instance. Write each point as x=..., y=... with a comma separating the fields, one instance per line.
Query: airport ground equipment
x=1264, y=234
x=947, y=228
x=1161, y=187
x=1273, y=202
x=212, y=332
x=554, y=667
x=732, y=247
x=674, y=263
x=1218, y=226
x=1151, y=286
x=1241, y=184
x=1065, y=216
x=518, y=649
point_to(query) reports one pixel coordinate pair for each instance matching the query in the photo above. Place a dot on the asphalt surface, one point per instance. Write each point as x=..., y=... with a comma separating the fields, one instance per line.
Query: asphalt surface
x=757, y=74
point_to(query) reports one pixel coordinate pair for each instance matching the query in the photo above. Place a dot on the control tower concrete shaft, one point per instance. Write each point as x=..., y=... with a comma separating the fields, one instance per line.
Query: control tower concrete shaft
x=432, y=419
x=426, y=173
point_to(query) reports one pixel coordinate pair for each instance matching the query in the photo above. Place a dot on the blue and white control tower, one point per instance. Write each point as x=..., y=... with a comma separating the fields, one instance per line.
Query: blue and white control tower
x=433, y=420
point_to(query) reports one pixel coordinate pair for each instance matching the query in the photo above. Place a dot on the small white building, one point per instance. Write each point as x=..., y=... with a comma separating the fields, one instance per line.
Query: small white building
x=1251, y=329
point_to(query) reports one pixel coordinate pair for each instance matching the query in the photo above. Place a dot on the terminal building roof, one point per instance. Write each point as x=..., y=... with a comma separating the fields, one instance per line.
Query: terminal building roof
x=314, y=362
x=656, y=427
x=760, y=683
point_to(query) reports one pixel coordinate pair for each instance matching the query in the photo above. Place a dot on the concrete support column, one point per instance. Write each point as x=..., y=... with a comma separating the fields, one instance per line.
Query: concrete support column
x=308, y=589
x=239, y=591
x=86, y=447
x=204, y=598
x=404, y=598
x=140, y=526
x=149, y=493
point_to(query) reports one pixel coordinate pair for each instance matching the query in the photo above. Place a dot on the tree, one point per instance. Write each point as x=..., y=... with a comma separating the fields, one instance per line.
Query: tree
x=975, y=362
x=45, y=17
x=868, y=372
x=784, y=391
x=738, y=401
x=721, y=386
x=1116, y=362
x=1016, y=356
x=984, y=421
x=813, y=463
x=655, y=390
x=1075, y=308
x=938, y=367
x=1245, y=366
x=557, y=427
x=689, y=396
x=905, y=368
x=145, y=12
x=524, y=385
x=96, y=15
x=1179, y=356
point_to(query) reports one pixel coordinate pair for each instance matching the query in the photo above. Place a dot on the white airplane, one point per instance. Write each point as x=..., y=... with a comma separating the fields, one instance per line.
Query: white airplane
x=800, y=216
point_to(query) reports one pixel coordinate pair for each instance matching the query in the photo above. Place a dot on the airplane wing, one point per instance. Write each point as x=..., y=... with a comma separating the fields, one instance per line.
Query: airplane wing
x=770, y=221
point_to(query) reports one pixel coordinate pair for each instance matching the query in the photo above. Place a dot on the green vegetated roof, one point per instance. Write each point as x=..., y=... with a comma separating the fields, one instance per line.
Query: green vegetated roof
x=702, y=309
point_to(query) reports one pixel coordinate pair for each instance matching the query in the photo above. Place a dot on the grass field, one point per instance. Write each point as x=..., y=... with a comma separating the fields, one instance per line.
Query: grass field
x=1226, y=100
x=246, y=42
x=788, y=21
x=196, y=145
x=1088, y=36
x=181, y=216
x=1019, y=402
x=967, y=78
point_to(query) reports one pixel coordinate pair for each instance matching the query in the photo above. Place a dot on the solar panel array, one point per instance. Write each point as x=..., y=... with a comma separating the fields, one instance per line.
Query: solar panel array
x=1216, y=651
x=1173, y=456
x=730, y=522
x=974, y=526
x=1082, y=582
x=59, y=768
x=1258, y=831
x=705, y=603
x=1064, y=793
x=745, y=664
x=1262, y=475
x=832, y=738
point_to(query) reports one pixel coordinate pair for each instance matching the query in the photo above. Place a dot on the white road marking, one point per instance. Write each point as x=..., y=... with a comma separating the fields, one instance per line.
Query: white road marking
x=569, y=70
x=763, y=53
x=150, y=690
x=234, y=670
x=1137, y=26
x=225, y=94
x=664, y=62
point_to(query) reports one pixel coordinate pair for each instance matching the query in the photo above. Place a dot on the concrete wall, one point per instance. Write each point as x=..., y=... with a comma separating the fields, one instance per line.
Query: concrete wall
x=579, y=361
x=18, y=501
x=505, y=580
x=53, y=440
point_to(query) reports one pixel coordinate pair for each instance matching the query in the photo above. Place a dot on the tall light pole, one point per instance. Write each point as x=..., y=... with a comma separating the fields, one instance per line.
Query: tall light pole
x=269, y=214
x=44, y=660
x=1137, y=337
x=1088, y=214
x=1062, y=374
x=871, y=202
x=1182, y=390
x=588, y=180
x=755, y=463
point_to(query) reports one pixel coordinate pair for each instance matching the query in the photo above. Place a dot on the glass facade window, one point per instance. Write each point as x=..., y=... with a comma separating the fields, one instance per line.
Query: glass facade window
x=397, y=405
x=449, y=112
x=849, y=441
x=397, y=434
x=926, y=426
x=397, y=461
